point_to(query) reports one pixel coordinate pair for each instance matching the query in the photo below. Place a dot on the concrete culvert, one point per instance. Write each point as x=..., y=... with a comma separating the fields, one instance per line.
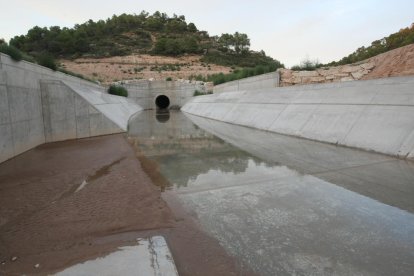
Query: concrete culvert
x=162, y=102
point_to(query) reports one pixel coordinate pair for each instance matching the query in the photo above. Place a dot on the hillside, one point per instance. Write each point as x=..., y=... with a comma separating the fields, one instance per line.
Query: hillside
x=126, y=34
x=143, y=66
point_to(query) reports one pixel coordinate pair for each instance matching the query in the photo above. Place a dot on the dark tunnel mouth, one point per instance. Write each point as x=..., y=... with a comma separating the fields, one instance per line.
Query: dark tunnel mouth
x=162, y=101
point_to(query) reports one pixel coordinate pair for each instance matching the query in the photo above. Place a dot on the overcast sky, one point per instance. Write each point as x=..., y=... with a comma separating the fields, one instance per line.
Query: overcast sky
x=288, y=30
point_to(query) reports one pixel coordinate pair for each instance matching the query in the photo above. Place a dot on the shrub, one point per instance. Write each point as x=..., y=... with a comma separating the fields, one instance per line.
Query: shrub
x=118, y=90
x=200, y=93
x=307, y=65
x=47, y=60
x=168, y=79
x=13, y=52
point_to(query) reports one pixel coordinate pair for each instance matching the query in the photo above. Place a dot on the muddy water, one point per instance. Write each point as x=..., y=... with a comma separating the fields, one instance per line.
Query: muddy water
x=282, y=205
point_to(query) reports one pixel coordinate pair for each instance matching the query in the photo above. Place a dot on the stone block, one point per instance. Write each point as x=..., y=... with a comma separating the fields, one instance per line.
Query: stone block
x=316, y=79
x=358, y=75
x=368, y=66
x=327, y=72
x=347, y=79
x=305, y=74
x=350, y=69
x=341, y=75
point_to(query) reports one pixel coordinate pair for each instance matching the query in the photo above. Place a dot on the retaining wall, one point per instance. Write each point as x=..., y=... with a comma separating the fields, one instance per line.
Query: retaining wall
x=375, y=115
x=269, y=80
x=38, y=105
x=144, y=92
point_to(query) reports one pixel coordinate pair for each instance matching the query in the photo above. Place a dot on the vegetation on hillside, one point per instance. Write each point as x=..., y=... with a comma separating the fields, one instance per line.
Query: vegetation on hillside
x=401, y=38
x=157, y=34
x=307, y=65
x=14, y=53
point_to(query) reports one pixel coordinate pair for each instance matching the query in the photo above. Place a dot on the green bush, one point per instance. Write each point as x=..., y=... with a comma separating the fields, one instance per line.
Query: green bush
x=13, y=52
x=168, y=79
x=118, y=90
x=47, y=60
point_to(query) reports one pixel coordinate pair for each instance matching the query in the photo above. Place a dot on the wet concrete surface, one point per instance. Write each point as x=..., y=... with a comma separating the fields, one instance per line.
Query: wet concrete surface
x=282, y=205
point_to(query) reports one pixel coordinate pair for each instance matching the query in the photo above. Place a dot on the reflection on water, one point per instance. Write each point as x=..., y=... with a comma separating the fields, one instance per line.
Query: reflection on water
x=284, y=205
x=162, y=115
x=181, y=152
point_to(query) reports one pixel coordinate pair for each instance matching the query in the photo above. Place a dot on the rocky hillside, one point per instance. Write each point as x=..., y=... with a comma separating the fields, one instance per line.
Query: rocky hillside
x=397, y=62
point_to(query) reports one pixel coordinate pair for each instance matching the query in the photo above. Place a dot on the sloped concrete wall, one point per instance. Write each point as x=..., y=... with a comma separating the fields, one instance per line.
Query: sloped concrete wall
x=268, y=80
x=30, y=117
x=375, y=115
x=67, y=115
x=144, y=92
x=116, y=109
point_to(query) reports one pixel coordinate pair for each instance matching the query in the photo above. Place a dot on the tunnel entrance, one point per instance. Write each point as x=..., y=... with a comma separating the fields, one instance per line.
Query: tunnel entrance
x=162, y=101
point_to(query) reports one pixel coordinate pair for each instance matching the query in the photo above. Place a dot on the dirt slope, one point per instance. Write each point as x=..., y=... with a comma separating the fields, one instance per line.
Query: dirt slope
x=137, y=66
x=397, y=62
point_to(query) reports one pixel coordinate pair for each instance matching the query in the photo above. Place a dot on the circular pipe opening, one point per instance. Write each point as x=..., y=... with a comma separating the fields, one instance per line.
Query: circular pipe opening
x=162, y=101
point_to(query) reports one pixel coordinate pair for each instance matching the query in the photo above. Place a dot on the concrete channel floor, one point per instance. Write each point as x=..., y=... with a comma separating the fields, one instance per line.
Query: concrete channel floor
x=282, y=205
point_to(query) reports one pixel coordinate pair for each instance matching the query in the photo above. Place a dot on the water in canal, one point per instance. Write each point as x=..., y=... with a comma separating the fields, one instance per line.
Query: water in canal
x=283, y=205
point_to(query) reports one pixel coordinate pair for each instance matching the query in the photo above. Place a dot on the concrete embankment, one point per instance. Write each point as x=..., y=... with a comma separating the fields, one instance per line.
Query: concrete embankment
x=38, y=105
x=374, y=115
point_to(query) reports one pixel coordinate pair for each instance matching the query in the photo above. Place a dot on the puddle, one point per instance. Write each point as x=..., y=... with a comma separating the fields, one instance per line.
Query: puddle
x=151, y=256
x=284, y=205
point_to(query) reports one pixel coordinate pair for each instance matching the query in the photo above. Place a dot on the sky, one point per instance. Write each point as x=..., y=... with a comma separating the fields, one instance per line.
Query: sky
x=288, y=30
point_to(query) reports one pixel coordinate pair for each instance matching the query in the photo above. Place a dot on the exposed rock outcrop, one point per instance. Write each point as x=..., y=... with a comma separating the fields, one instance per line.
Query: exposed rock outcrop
x=397, y=62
